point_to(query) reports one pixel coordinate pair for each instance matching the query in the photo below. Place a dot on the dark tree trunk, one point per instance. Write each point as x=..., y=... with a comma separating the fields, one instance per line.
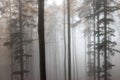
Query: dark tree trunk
x=105, y=49
x=94, y=62
x=98, y=41
x=41, y=39
x=69, y=42
x=21, y=43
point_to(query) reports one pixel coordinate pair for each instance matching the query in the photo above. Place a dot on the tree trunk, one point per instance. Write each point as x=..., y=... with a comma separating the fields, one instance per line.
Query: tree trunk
x=98, y=44
x=21, y=43
x=69, y=42
x=105, y=44
x=41, y=39
x=64, y=31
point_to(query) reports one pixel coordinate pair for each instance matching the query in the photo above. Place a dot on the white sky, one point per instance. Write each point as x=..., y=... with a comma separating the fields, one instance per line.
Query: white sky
x=58, y=2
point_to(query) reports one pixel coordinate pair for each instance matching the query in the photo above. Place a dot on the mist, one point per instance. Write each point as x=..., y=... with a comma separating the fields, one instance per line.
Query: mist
x=80, y=40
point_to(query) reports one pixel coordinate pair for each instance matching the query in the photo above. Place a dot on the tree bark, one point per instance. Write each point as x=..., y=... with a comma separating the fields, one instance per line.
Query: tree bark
x=105, y=31
x=21, y=42
x=69, y=41
x=41, y=36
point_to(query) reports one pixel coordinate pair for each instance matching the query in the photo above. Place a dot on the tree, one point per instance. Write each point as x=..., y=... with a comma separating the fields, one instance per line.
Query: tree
x=69, y=41
x=41, y=39
x=104, y=33
x=104, y=45
x=20, y=24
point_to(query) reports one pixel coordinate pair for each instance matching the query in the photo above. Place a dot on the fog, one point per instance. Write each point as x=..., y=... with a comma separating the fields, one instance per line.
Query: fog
x=56, y=41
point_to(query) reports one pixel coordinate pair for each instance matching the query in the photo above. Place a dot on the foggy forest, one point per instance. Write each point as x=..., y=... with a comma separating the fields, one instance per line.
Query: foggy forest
x=59, y=39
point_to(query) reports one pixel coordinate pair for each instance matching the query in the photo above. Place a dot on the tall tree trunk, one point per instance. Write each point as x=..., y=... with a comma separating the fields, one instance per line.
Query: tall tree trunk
x=69, y=41
x=41, y=39
x=21, y=43
x=94, y=39
x=64, y=34
x=98, y=41
x=105, y=39
x=98, y=50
